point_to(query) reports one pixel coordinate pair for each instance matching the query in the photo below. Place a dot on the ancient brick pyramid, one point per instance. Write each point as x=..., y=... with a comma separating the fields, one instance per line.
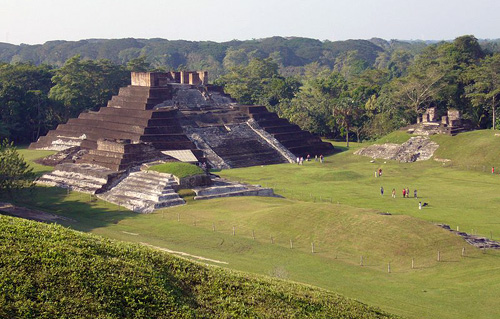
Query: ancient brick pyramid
x=180, y=111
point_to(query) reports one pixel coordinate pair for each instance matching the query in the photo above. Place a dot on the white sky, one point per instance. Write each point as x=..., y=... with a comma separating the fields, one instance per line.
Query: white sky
x=38, y=21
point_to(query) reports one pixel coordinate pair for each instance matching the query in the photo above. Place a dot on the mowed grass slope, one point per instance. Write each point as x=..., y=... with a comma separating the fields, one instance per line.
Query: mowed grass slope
x=336, y=206
x=48, y=271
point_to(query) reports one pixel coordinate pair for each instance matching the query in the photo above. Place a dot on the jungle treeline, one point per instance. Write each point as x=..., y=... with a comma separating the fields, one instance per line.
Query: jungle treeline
x=357, y=88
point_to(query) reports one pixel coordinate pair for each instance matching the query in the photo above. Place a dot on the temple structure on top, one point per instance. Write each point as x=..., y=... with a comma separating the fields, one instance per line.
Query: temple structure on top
x=429, y=123
x=179, y=114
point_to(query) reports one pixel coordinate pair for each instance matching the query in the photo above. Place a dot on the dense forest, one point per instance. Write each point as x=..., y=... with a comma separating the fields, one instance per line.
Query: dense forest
x=362, y=88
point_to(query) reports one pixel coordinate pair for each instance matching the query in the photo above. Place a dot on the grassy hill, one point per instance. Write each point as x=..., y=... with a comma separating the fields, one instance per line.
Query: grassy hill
x=47, y=271
x=336, y=206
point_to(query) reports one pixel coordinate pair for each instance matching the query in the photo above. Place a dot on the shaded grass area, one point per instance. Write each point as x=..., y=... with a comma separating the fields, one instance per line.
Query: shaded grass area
x=30, y=156
x=49, y=271
x=178, y=169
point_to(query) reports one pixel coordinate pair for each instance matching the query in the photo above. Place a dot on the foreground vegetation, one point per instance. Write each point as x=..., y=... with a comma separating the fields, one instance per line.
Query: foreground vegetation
x=337, y=206
x=47, y=271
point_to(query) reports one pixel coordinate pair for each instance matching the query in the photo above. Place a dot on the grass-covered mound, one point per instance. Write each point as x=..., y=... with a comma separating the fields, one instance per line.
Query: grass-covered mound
x=178, y=169
x=470, y=150
x=47, y=271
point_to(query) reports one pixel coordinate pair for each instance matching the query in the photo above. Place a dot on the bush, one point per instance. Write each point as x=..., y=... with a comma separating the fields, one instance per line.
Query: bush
x=15, y=173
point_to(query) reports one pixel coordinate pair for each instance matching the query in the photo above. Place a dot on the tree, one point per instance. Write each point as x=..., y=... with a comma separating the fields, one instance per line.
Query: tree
x=15, y=173
x=25, y=109
x=347, y=113
x=313, y=107
x=86, y=84
x=484, y=87
x=139, y=64
x=349, y=65
x=247, y=84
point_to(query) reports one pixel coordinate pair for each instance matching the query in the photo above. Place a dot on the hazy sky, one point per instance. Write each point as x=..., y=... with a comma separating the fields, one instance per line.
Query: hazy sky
x=38, y=21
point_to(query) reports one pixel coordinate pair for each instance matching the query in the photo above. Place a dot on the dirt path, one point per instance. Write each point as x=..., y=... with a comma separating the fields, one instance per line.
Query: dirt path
x=185, y=254
x=32, y=214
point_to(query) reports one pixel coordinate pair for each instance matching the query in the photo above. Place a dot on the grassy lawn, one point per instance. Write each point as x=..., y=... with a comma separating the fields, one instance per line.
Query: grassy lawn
x=336, y=206
x=178, y=169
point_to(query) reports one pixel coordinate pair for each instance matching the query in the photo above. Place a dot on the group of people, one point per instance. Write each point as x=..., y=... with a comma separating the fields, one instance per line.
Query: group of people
x=300, y=160
x=406, y=192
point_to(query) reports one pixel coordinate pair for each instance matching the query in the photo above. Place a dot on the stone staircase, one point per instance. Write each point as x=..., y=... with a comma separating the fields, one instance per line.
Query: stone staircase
x=144, y=191
x=297, y=141
x=85, y=178
x=225, y=188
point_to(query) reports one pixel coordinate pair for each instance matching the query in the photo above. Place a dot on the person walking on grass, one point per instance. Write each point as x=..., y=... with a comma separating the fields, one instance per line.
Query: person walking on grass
x=415, y=194
x=404, y=192
x=419, y=205
x=407, y=192
x=381, y=191
x=393, y=193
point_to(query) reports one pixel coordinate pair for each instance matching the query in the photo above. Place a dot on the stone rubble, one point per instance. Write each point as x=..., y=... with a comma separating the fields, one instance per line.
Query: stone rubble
x=417, y=148
x=476, y=241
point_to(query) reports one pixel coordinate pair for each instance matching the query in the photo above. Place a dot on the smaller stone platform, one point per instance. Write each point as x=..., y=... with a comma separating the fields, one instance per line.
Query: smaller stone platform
x=144, y=191
x=85, y=178
x=224, y=188
x=120, y=155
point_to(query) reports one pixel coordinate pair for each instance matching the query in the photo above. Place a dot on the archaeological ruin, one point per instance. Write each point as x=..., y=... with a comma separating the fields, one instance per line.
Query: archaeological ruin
x=429, y=123
x=172, y=116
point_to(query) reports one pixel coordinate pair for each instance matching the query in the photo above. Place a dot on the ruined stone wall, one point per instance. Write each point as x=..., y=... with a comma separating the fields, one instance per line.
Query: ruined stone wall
x=155, y=79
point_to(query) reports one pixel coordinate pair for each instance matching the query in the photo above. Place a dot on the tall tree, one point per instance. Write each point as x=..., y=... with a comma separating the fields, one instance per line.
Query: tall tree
x=25, y=109
x=313, y=107
x=484, y=87
x=87, y=84
x=247, y=83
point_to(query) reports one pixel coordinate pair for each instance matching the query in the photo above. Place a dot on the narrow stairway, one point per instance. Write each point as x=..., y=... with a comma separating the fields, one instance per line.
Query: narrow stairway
x=144, y=191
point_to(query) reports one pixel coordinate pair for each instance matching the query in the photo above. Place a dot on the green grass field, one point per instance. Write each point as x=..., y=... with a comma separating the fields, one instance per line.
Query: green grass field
x=178, y=169
x=336, y=207
x=48, y=271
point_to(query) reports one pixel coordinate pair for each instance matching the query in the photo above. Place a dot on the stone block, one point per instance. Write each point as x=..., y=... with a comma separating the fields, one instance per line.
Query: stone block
x=454, y=115
x=432, y=114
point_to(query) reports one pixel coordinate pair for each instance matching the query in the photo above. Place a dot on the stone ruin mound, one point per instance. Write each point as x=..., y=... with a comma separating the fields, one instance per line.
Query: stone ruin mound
x=418, y=148
x=167, y=113
x=180, y=111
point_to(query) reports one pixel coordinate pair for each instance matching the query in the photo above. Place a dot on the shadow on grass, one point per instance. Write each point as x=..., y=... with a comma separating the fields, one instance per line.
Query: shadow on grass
x=83, y=208
x=340, y=149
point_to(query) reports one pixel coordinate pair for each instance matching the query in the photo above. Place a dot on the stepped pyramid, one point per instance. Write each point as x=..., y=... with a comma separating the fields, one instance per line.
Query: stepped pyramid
x=180, y=111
